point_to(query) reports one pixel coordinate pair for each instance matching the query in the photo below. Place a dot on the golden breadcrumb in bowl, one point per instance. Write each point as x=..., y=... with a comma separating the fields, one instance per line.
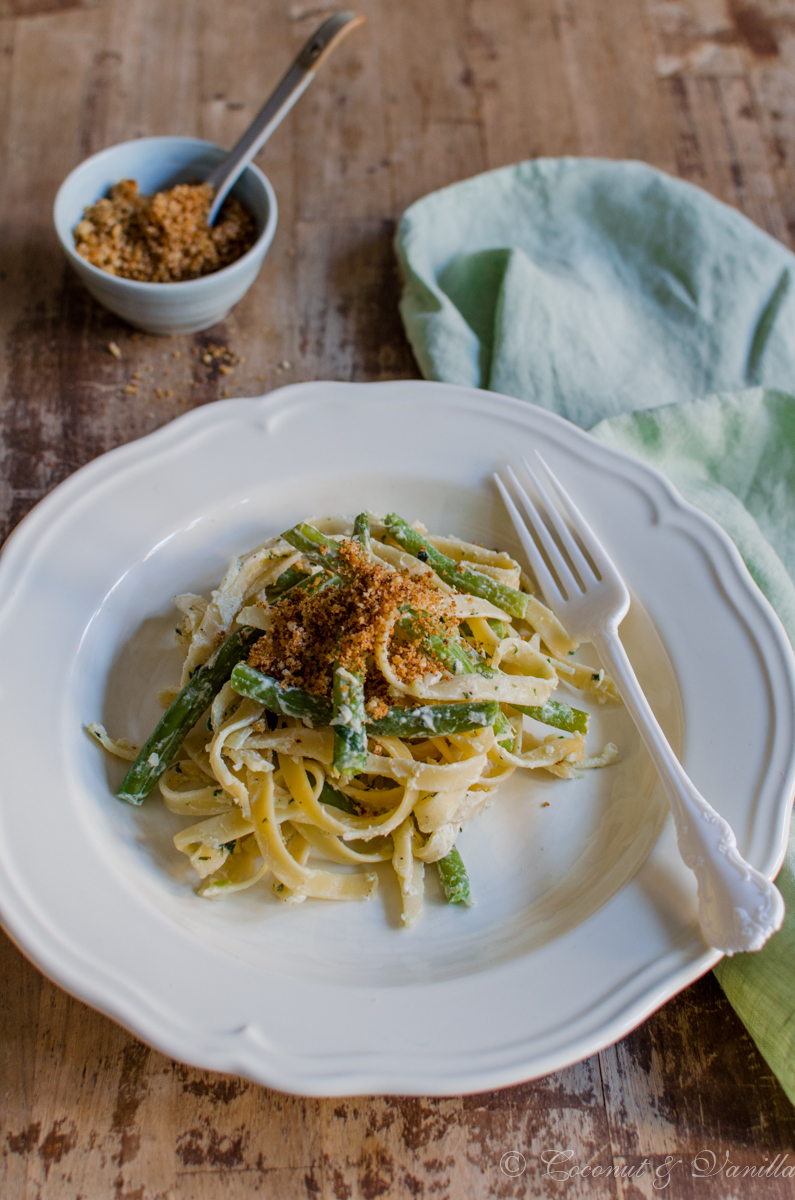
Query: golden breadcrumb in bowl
x=164, y=238
x=132, y=222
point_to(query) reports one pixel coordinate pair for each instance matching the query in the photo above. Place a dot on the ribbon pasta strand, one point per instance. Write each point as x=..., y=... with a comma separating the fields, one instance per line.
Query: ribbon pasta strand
x=266, y=792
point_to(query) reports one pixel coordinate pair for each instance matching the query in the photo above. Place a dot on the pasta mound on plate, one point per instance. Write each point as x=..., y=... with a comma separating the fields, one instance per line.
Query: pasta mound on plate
x=367, y=686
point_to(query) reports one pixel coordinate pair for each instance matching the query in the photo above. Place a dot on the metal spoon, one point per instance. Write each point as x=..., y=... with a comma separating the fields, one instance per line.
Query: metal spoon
x=279, y=103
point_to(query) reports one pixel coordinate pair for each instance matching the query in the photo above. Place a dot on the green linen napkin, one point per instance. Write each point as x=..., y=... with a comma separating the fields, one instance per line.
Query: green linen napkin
x=643, y=309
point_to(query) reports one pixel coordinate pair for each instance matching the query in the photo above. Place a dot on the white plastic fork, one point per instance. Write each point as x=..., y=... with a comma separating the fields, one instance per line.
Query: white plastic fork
x=738, y=907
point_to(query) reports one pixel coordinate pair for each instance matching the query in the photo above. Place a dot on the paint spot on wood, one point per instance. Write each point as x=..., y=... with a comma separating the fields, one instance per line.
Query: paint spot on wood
x=339, y=1187
x=755, y=30
x=132, y=1089
x=423, y=1123
x=311, y=1184
x=413, y=1185
x=36, y=8
x=217, y=1091
x=203, y=1144
x=24, y=1142
x=377, y=1172
x=61, y=1139
x=120, y=1194
x=190, y=1149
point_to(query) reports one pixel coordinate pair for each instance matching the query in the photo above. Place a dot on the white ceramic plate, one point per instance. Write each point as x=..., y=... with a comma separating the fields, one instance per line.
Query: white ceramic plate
x=585, y=920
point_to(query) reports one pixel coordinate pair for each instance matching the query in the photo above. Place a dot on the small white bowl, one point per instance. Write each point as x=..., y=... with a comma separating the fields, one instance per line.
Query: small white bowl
x=156, y=163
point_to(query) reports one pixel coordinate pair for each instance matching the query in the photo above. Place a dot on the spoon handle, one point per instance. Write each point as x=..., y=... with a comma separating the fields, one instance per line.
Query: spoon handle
x=279, y=103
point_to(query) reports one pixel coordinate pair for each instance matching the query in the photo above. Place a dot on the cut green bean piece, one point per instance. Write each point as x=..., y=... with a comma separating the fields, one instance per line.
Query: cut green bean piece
x=436, y=720
x=336, y=799
x=455, y=655
x=479, y=663
x=288, y=702
x=503, y=731
x=459, y=659
x=454, y=879
x=350, y=739
x=451, y=653
x=315, y=546
x=554, y=712
x=317, y=582
x=311, y=584
x=361, y=531
x=425, y=721
x=464, y=579
x=551, y=713
x=557, y=714
x=497, y=627
x=160, y=748
x=287, y=580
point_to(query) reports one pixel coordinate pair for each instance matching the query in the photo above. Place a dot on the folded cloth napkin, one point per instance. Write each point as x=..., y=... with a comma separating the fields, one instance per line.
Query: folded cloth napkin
x=640, y=308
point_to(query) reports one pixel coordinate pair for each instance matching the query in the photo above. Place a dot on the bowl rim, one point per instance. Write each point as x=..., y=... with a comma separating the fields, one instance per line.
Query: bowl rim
x=152, y=286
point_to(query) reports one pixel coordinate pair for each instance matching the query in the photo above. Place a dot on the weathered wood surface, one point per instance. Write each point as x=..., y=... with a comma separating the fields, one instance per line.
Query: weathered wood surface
x=427, y=93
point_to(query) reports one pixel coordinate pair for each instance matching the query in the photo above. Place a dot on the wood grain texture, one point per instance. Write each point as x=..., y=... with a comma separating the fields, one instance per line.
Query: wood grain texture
x=427, y=93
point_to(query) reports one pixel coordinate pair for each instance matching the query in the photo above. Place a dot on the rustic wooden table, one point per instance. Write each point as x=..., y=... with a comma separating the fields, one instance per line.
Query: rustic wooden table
x=427, y=93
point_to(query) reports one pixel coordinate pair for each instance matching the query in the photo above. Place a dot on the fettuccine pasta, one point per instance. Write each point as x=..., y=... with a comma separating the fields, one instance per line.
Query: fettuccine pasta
x=354, y=693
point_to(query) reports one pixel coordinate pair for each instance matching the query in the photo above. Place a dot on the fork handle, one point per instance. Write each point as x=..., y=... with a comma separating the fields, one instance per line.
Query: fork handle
x=738, y=907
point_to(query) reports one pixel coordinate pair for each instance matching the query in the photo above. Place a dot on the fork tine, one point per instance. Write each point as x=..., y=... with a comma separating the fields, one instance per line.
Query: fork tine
x=578, y=559
x=558, y=563
x=546, y=581
x=590, y=541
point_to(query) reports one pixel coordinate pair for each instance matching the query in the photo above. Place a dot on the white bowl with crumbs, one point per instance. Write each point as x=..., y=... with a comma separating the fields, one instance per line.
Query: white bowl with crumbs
x=161, y=300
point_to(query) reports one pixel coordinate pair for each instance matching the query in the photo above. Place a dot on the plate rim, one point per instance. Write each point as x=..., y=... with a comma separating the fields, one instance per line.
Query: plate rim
x=217, y=1053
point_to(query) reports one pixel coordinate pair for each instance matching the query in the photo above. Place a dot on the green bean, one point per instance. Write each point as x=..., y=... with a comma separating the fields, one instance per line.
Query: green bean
x=554, y=712
x=315, y=546
x=288, y=702
x=361, y=531
x=451, y=653
x=311, y=584
x=161, y=746
x=317, y=582
x=557, y=714
x=428, y=720
x=287, y=580
x=335, y=799
x=350, y=739
x=454, y=879
x=436, y=720
x=459, y=659
x=462, y=578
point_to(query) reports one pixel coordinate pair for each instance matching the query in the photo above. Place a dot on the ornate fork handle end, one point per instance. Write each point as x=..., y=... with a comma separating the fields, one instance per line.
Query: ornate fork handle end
x=739, y=908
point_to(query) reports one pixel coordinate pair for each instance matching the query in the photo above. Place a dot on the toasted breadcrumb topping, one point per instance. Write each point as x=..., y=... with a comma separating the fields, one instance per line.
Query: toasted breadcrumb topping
x=163, y=238
x=314, y=630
